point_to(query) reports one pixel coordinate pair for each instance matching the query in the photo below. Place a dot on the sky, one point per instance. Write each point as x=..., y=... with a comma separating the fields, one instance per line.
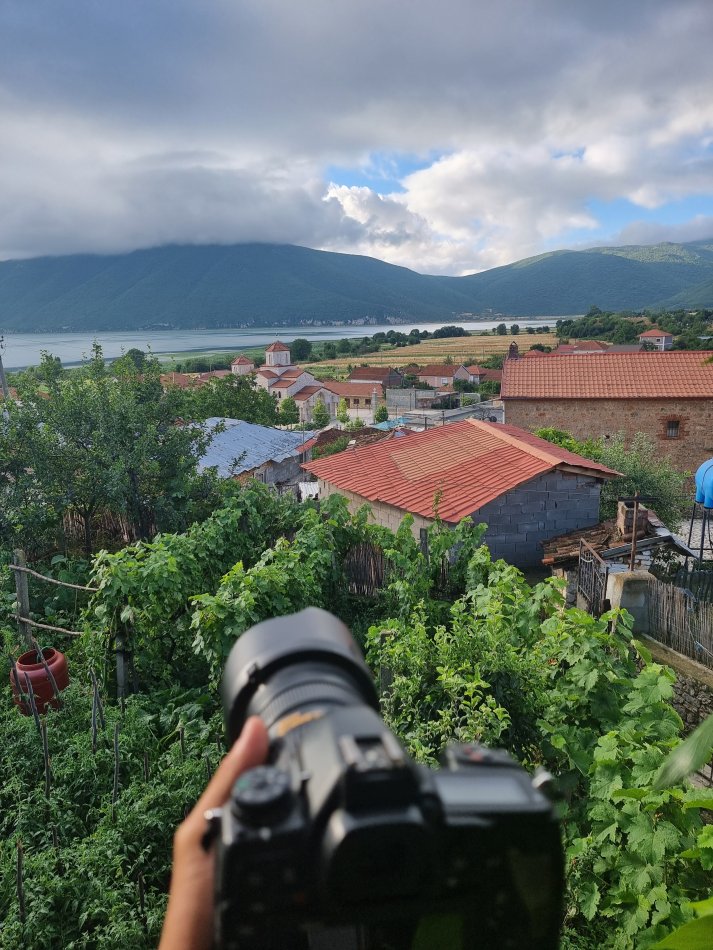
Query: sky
x=448, y=136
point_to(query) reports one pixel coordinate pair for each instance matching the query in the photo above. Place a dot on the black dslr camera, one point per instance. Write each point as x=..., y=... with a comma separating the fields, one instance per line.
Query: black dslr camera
x=342, y=842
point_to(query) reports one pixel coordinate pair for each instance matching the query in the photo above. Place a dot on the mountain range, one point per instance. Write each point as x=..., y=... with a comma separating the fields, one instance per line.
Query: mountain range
x=202, y=286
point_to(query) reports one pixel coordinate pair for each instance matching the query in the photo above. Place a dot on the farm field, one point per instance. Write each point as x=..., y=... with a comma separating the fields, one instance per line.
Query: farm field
x=462, y=349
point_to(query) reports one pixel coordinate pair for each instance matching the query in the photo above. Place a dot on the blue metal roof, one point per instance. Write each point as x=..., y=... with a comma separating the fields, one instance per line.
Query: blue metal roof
x=250, y=444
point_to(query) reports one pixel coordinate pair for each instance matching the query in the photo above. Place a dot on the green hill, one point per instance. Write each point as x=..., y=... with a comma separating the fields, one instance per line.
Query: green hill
x=226, y=286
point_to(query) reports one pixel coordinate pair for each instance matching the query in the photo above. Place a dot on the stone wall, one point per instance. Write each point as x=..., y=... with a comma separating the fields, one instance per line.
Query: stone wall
x=693, y=692
x=594, y=418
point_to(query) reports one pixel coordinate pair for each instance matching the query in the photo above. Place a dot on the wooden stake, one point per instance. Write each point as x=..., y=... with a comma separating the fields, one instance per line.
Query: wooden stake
x=23, y=598
x=31, y=698
x=115, y=790
x=19, y=882
x=46, y=755
x=48, y=671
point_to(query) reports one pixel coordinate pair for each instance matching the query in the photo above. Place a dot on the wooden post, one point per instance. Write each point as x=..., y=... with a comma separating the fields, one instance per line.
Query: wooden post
x=121, y=668
x=23, y=597
x=632, y=558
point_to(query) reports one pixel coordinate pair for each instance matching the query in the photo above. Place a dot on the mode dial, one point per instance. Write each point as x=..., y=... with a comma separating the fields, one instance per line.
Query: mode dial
x=261, y=795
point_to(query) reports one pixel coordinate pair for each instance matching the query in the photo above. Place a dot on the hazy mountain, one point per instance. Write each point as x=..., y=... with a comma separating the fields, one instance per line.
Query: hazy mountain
x=224, y=286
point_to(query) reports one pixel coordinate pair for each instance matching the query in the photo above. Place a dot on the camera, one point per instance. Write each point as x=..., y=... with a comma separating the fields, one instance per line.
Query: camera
x=342, y=842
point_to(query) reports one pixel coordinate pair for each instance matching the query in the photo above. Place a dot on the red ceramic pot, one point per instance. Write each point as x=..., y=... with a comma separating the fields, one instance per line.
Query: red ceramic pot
x=29, y=665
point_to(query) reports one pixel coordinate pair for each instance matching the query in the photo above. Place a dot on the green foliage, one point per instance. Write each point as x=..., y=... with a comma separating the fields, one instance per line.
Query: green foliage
x=381, y=414
x=332, y=448
x=94, y=441
x=643, y=468
x=320, y=415
x=342, y=411
x=300, y=349
x=230, y=397
x=464, y=649
x=289, y=414
x=501, y=329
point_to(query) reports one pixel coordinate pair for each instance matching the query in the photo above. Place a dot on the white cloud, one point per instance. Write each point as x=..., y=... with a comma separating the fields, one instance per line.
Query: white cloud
x=177, y=121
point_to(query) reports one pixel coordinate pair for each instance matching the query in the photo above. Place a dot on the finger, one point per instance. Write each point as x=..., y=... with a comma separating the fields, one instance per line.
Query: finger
x=249, y=750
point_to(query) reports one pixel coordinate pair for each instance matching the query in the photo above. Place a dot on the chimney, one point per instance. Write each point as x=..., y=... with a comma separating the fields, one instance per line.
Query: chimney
x=513, y=351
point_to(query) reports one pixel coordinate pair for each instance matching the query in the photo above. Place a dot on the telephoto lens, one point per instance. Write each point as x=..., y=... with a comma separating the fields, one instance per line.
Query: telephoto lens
x=342, y=842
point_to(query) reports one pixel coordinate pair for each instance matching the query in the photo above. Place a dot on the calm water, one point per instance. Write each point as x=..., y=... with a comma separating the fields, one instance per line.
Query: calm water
x=23, y=349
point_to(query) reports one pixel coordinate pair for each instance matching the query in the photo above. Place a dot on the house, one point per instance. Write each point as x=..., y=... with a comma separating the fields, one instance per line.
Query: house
x=442, y=374
x=475, y=374
x=384, y=376
x=659, y=339
x=525, y=489
x=668, y=396
x=243, y=450
x=241, y=365
x=362, y=399
x=281, y=378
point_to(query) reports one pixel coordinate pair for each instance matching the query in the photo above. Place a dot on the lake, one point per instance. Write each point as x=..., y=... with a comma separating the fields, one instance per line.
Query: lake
x=23, y=349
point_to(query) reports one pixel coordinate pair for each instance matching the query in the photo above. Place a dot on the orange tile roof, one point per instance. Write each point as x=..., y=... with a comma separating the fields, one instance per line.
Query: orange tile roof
x=439, y=369
x=352, y=389
x=241, y=360
x=372, y=372
x=470, y=463
x=475, y=370
x=654, y=332
x=680, y=374
x=306, y=392
x=277, y=345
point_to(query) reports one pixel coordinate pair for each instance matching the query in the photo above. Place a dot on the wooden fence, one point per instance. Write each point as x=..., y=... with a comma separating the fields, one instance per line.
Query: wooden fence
x=681, y=621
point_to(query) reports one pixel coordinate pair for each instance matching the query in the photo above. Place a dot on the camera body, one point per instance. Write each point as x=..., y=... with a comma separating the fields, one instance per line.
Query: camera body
x=342, y=841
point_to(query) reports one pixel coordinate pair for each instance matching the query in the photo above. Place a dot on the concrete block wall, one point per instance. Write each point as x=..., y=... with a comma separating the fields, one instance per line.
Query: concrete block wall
x=546, y=506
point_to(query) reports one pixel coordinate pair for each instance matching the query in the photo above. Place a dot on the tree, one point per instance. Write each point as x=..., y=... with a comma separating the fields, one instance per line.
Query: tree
x=95, y=441
x=344, y=346
x=137, y=357
x=320, y=415
x=330, y=351
x=501, y=329
x=233, y=397
x=448, y=361
x=300, y=349
x=644, y=469
x=342, y=411
x=515, y=329
x=289, y=414
x=381, y=414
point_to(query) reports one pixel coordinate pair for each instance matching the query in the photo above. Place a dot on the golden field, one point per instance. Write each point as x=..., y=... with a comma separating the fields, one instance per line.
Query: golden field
x=462, y=349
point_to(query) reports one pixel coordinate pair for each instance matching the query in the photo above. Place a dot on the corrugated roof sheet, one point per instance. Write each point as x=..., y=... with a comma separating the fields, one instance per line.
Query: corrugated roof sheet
x=470, y=463
x=682, y=374
x=252, y=444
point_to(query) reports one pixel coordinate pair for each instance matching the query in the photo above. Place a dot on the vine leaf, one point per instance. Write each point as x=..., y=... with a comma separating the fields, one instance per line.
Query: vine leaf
x=693, y=753
x=695, y=935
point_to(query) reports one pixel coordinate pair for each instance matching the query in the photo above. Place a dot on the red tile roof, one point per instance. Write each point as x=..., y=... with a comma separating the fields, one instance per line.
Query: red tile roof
x=241, y=360
x=439, y=369
x=306, y=392
x=372, y=372
x=352, y=389
x=653, y=332
x=682, y=374
x=274, y=347
x=475, y=370
x=470, y=463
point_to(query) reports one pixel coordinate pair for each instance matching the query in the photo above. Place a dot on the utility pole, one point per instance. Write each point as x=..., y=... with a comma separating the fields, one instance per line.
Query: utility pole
x=3, y=383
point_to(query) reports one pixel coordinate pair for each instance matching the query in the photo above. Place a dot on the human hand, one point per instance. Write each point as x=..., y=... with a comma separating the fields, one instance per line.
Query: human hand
x=188, y=924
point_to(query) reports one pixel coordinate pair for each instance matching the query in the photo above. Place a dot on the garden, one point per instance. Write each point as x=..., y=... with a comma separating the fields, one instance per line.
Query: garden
x=462, y=647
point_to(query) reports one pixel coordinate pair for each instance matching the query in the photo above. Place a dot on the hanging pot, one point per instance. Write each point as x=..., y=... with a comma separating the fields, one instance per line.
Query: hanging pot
x=29, y=666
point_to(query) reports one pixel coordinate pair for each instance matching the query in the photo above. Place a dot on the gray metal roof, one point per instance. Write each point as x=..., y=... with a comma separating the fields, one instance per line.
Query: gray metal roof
x=252, y=445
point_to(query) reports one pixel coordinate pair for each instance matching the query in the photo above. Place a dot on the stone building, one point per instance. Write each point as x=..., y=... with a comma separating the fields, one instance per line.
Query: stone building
x=525, y=489
x=668, y=396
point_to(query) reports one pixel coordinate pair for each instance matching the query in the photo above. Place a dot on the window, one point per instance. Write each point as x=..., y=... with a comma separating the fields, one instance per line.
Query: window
x=672, y=429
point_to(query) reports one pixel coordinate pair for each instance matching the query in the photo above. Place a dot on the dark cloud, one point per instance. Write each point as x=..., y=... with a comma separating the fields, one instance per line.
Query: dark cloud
x=136, y=123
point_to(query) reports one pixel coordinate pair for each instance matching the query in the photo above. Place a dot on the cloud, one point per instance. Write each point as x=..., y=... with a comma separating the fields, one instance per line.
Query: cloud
x=178, y=121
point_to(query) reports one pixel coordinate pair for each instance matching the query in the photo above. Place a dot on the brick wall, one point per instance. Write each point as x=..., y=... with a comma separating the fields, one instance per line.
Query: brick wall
x=593, y=418
x=518, y=521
